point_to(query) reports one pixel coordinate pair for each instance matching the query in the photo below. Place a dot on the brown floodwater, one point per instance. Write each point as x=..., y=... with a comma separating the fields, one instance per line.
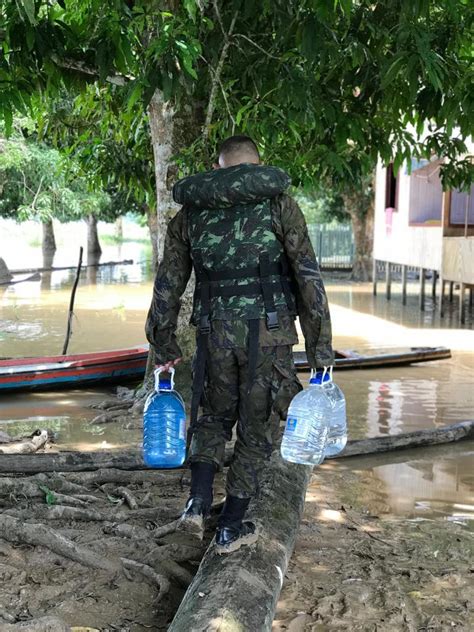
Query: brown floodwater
x=110, y=310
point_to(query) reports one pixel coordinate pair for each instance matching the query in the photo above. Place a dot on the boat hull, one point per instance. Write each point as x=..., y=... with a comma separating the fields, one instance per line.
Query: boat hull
x=108, y=367
x=72, y=371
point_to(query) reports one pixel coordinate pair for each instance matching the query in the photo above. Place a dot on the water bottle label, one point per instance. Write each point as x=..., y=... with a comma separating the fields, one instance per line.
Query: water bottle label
x=297, y=427
x=182, y=428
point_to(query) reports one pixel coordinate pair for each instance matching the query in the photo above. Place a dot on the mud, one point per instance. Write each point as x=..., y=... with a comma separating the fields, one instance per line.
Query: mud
x=352, y=570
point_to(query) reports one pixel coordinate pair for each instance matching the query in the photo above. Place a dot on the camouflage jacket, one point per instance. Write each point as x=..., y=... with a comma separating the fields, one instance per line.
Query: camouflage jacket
x=288, y=224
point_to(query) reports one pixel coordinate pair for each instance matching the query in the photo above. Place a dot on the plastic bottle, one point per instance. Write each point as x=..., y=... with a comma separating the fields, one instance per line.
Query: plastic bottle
x=307, y=424
x=164, y=425
x=337, y=436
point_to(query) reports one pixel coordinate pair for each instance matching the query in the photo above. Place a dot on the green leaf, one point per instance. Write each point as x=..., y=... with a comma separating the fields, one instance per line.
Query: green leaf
x=190, y=6
x=8, y=118
x=50, y=497
x=29, y=6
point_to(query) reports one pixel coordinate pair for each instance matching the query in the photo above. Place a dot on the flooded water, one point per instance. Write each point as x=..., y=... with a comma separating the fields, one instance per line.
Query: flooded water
x=110, y=311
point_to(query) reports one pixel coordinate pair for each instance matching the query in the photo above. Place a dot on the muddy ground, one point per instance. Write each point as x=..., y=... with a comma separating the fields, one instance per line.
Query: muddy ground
x=350, y=570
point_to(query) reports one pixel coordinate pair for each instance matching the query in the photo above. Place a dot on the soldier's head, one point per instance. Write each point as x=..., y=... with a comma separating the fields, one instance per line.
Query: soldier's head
x=236, y=150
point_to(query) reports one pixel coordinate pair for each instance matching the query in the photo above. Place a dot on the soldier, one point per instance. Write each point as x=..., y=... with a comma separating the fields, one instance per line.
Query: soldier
x=255, y=272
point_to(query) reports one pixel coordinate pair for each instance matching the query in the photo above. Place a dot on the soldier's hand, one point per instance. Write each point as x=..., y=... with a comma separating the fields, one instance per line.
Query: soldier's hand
x=168, y=365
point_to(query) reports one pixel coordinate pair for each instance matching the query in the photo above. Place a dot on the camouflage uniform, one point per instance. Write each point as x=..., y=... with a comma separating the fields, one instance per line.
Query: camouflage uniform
x=229, y=214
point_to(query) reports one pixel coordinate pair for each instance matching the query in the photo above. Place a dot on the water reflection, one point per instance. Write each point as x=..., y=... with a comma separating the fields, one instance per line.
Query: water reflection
x=427, y=483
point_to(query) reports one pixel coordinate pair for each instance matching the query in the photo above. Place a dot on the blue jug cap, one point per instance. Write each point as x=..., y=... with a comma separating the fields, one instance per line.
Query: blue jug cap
x=318, y=377
x=165, y=385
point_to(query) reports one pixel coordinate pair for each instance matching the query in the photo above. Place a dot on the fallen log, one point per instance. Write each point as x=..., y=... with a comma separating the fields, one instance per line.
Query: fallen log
x=132, y=459
x=240, y=591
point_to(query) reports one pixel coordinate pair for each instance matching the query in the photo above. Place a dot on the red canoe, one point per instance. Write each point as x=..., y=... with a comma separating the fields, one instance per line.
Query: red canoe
x=82, y=369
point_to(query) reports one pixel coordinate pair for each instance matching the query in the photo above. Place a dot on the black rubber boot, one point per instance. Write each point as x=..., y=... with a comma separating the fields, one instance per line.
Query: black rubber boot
x=231, y=532
x=200, y=500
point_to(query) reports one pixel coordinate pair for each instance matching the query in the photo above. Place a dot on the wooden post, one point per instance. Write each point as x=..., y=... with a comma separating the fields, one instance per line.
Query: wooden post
x=422, y=289
x=462, y=312
x=442, y=285
x=404, y=284
x=374, y=277
x=388, y=280
x=433, y=283
x=451, y=288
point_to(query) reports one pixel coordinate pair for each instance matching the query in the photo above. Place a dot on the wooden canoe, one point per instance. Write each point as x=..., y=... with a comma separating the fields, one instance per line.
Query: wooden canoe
x=352, y=360
x=71, y=371
x=106, y=367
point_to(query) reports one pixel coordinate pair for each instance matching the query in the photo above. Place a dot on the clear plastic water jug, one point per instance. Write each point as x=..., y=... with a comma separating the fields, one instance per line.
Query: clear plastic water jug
x=164, y=425
x=337, y=436
x=307, y=424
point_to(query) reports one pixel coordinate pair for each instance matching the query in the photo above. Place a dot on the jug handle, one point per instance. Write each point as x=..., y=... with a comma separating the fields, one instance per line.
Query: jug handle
x=326, y=369
x=157, y=378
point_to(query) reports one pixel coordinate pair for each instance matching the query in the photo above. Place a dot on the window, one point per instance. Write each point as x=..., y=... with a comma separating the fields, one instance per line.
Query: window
x=462, y=208
x=390, y=188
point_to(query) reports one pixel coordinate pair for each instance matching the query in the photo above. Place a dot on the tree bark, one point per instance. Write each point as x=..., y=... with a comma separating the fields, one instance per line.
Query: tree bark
x=49, y=242
x=359, y=204
x=152, y=222
x=93, y=245
x=161, y=117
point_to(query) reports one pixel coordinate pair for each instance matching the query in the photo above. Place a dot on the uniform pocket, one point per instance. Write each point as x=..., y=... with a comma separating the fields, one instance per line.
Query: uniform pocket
x=285, y=382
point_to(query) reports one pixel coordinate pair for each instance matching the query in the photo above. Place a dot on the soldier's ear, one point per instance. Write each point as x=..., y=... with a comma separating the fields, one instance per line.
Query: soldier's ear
x=216, y=165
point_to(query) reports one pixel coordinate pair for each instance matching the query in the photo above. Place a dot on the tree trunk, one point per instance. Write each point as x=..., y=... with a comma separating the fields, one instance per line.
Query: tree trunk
x=93, y=245
x=161, y=117
x=119, y=228
x=359, y=203
x=152, y=222
x=169, y=134
x=49, y=242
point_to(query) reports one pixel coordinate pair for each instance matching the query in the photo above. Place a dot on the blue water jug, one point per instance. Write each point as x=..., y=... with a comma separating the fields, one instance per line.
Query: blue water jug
x=164, y=425
x=307, y=423
x=337, y=436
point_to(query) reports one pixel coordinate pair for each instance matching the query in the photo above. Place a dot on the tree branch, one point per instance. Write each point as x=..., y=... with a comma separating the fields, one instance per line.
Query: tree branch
x=265, y=52
x=217, y=74
x=79, y=66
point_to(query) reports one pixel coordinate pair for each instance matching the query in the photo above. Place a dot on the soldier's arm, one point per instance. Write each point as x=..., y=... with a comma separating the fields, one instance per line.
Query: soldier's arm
x=313, y=307
x=171, y=279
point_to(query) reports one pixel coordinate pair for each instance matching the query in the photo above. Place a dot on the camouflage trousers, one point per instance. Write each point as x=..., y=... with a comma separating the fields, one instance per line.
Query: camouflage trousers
x=257, y=413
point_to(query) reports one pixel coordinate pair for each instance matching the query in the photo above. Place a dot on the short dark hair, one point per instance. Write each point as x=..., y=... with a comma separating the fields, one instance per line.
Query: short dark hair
x=238, y=144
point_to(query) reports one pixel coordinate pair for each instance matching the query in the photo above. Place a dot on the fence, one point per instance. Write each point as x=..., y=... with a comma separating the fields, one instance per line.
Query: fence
x=333, y=245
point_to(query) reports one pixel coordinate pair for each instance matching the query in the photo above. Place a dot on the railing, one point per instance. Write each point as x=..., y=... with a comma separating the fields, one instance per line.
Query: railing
x=333, y=245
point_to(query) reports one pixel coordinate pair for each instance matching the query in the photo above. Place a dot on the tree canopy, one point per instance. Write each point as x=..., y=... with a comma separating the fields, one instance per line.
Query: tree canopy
x=324, y=87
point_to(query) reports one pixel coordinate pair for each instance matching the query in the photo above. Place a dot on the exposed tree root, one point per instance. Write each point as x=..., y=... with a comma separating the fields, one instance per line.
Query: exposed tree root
x=127, y=495
x=16, y=531
x=156, y=578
